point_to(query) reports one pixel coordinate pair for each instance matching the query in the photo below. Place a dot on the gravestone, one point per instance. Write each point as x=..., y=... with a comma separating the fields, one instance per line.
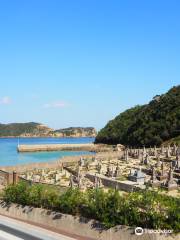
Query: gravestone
x=162, y=149
x=146, y=160
x=81, y=162
x=108, y=171
x=158, y=164
x=97, y=182
x=168, y=152
x=98, y=168
x=174, y=149
x=178, y=159
x=155, y=152
x=136, y=176
x=162, y=175
x=154, y=181
x=117, y=171
x=71, y=181
x=171, y=183
x=126, y=155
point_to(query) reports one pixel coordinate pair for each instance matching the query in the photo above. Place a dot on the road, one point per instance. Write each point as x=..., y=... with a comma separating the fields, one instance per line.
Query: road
x=11, y=229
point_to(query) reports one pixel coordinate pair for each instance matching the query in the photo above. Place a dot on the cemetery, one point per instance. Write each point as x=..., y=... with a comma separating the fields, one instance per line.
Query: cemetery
x=123, y=169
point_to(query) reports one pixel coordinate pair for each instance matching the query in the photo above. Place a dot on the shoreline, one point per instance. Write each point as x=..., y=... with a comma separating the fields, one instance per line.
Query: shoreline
x=41, y=165
x=58, y=162
x=91, y=149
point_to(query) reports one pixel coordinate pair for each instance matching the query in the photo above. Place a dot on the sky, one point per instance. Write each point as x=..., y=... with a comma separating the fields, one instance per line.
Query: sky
x=80, y=63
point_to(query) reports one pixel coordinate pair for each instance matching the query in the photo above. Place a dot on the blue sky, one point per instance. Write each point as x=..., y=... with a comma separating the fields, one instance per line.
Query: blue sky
x=80, y=63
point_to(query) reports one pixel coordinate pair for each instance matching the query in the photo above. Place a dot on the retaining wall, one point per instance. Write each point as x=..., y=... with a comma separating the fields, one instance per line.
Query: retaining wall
x=76, y=225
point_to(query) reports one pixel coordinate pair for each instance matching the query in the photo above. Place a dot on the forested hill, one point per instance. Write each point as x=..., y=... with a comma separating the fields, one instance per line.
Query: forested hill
x=33, y=129
x=148, y=125
x=23, y=129
x=76, y=132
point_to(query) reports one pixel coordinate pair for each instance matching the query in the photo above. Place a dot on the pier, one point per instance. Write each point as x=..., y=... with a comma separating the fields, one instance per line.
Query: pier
x=57, y=147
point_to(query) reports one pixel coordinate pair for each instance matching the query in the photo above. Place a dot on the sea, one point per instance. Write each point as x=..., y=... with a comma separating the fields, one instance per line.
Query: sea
x=10, y=157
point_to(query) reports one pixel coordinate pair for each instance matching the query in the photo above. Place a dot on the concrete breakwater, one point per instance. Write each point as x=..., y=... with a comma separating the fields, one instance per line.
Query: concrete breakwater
x=58, y=147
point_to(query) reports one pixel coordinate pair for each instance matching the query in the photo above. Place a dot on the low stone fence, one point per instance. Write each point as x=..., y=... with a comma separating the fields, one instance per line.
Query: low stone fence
x=13, y=177
x=8, y=178
x=90, y=229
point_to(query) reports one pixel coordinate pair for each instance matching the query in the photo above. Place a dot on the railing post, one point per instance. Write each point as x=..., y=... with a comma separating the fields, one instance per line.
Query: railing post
x=15, y=177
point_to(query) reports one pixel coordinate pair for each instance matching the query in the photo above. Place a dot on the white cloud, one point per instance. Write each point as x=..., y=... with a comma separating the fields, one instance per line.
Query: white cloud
x=5, y=100
x=58, y=104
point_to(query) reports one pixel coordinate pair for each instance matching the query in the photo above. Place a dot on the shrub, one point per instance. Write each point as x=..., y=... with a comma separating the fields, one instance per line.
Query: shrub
x=17, y=193
x=147, y=209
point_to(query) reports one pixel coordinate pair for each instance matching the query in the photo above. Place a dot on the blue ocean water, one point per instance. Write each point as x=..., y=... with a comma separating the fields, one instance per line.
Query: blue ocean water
x=9, y=155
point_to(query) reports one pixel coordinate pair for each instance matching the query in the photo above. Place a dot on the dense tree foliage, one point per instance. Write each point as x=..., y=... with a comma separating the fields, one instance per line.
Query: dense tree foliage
x=147, y=209
x=172, y=141
x=148, y=125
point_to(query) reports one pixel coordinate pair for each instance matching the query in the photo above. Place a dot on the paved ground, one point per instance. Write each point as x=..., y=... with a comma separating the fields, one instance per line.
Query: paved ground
x=11, y=229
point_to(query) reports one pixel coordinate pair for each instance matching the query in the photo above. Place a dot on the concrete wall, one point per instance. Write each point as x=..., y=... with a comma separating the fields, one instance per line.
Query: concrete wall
x=76, y=225
x=112, y=183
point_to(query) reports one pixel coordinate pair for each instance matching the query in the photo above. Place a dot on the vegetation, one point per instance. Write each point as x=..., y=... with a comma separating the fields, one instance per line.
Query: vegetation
x=85, y=131
x=18, y=129
x=37, y=129
x=171, y=141
x=147, y=125
x=147, y=209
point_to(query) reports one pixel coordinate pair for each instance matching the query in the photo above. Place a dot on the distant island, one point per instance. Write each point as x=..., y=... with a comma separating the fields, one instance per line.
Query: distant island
x=33, y=129
x=152, y=124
